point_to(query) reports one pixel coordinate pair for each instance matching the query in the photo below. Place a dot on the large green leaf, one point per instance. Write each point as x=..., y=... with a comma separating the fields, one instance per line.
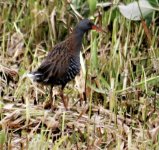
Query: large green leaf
x=137, y=10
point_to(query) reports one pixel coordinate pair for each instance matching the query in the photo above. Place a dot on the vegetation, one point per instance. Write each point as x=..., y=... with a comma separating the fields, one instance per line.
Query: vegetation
x=118, y=105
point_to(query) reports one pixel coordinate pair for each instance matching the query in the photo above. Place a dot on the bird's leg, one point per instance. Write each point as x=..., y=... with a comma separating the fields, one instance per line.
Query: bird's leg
x=63, y=98
x=51, y=98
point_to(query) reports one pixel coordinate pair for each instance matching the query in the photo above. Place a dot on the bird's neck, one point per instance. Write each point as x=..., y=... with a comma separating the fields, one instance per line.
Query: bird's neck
x=76, y=37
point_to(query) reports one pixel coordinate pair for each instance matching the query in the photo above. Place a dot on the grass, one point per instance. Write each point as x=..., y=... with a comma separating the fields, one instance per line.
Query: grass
x=121, y=69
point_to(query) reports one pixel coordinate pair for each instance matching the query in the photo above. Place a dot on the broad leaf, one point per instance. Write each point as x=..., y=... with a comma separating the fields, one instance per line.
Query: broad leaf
x=136, y=10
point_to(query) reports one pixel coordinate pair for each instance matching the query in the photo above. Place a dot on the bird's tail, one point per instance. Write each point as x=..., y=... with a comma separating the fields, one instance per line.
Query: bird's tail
x=34, y=76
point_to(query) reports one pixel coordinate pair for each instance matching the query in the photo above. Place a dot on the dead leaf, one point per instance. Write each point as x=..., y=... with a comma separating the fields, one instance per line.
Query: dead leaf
x=15, y=45
x=51, y=123
x=154, y=133
x=12, y=73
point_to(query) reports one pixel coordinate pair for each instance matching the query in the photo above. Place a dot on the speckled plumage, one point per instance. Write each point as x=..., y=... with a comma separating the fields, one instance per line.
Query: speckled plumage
x=59, y=67
x=62, y=64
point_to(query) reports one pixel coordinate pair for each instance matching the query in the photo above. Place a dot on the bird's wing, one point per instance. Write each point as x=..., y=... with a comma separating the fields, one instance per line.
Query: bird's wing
x=56, y=63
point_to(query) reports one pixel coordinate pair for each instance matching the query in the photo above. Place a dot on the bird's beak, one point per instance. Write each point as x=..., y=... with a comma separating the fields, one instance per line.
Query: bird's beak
x=94, y=27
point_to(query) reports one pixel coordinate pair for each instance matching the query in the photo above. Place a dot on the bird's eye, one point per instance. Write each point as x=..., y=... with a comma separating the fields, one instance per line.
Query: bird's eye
x=90, y=23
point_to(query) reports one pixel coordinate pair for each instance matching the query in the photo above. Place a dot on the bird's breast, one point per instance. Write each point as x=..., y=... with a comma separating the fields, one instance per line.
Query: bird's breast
x=73, y=69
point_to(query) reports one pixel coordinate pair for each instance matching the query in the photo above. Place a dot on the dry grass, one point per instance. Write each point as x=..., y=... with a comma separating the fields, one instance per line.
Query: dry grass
x=121, y=110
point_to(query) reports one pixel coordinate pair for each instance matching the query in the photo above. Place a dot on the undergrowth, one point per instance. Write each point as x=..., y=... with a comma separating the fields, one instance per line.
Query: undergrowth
x=113, y=103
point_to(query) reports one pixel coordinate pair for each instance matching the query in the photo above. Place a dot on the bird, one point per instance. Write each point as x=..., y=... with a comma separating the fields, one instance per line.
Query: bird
x=62, y=63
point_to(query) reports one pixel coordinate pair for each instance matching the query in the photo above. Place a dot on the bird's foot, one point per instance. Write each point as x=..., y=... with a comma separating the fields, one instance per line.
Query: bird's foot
x=65, y=101
x=49, y=105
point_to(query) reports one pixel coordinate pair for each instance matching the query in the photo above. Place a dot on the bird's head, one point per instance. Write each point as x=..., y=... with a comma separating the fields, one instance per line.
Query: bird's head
x=86, y=25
